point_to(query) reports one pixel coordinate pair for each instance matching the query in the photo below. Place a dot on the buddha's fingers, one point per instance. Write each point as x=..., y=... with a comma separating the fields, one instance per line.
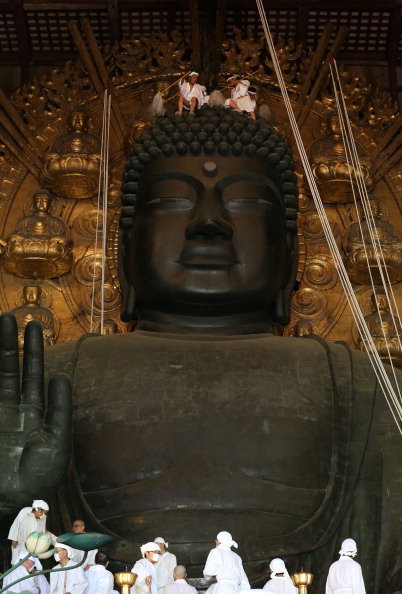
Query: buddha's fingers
x=32, y=398
x=9, y=360
x=58, y=419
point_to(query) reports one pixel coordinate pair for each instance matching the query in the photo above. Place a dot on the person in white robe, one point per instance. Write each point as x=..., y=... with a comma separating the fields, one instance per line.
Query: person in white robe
x=280, y=581
x=100, y=579
x=227, y=566
x=345, y=575
x=192, y=95
x=166, y=564
x=145, y=569
x=77, y=556
x=242, y=95
x=66, y=582
x=27, y=585
x=29, y=519
x=179, y=586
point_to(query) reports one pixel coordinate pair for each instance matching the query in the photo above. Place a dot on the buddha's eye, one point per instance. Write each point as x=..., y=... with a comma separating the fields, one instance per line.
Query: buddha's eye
x=170, y=203
x=249, y=204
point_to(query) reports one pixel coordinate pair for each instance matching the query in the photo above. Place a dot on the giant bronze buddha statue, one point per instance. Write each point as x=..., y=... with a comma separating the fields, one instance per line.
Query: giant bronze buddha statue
x=202, y=419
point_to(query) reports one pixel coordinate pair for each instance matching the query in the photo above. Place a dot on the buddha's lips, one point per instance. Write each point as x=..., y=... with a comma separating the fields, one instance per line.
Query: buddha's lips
x=210, y=255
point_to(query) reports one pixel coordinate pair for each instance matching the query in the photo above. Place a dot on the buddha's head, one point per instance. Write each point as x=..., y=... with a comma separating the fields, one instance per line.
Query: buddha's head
x=78, y=120
x=42, y=200
x=334, y=124
x=208, y=225
x=31, y=294
x=379, y=301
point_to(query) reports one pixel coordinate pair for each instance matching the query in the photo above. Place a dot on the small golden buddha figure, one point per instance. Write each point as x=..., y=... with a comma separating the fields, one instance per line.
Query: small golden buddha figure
x=72, y=164
x=384, y=329
x=356, y=262
x=32, y=310
x=40, y=246
x=330, y=166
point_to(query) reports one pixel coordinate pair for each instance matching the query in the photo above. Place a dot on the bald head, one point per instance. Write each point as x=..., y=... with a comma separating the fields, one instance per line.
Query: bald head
x=179, y=572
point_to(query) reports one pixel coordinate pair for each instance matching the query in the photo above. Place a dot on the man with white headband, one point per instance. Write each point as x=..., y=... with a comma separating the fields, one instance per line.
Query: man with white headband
x=28, y=585
x=346, y=574
x=192, y=95
x=280, y=581
x=243, y=96
x=29, y=519
x=227, y=566
x=145, y=569
x=166, y=564
x=66, y=582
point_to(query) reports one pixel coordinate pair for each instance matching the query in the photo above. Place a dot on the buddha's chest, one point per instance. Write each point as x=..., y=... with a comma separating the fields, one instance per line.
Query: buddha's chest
x=202, y=408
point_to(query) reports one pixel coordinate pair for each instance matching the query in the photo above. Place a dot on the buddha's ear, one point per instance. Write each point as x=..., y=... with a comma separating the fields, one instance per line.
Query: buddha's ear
x=128, y=301
x=281, y=307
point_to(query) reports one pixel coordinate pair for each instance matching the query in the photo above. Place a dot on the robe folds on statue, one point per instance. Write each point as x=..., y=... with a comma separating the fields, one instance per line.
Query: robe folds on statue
x=286, y=442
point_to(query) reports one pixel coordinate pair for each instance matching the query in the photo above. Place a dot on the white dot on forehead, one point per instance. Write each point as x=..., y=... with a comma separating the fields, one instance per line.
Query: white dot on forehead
x=210, y=168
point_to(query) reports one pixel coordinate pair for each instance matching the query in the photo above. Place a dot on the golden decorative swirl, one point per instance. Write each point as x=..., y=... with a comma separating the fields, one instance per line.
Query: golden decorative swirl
x=312, y=226
x=309, y=303
x=85, y=268
x=321, y=274
x=112, y=298
x=87, y=221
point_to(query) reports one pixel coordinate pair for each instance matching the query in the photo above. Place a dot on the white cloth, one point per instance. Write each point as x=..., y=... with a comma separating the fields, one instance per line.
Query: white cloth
x=178, y=587
x=227, y=566
x=27, y=525
x=72, y=581
x=100, y=580
x=345, y=577
x=42, y=583
x=77, y=556
x=144, y=568
x=240, y=90
x=280, y=585
x=198, y=91
x=15, y=528
x=164, y=569
x=18, y=573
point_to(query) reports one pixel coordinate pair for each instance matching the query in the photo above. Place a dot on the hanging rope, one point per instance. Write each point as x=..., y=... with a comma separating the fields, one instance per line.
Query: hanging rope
x=391, y=397
x=103, y=185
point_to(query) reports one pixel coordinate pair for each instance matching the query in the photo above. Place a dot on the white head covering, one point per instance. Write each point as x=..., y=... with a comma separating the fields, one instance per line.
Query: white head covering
x=40, y=503
x=162, y=540
x=278, y=566
x=349, y=548
x=149, y=546
x=232, y=76
x=225, y=538
x=194, y=73
x=60, y=545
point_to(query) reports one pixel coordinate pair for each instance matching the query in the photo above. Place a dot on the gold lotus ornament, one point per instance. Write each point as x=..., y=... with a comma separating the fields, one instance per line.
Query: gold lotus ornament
x=302, y=580
x=126, y=580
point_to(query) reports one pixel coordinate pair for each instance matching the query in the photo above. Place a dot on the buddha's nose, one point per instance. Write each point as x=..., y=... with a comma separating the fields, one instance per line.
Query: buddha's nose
x=209, y=228
x=209, y=222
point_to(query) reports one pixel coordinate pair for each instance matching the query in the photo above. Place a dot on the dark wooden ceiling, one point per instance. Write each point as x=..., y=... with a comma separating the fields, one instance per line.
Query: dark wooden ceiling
x=36, y=33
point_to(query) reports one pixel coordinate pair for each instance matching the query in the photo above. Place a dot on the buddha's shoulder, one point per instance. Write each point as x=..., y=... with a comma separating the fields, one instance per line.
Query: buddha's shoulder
x=286, y=349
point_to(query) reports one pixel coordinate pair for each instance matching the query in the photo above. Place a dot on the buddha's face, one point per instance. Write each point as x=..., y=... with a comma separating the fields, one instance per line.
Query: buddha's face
x=78, y=120
x=31, y=294
x=208, y=244
x=41, y=203
x=334, y=125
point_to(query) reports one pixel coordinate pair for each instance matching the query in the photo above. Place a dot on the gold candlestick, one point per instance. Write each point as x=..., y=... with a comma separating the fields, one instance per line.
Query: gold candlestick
x=302, y=580
x=125, y=579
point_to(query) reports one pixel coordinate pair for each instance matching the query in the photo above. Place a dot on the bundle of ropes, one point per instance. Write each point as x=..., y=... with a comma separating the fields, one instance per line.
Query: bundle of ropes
x=389, y=388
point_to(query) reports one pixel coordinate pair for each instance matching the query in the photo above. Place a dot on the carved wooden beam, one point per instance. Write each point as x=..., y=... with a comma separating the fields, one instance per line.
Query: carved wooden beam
x=387, y=137
x=17, y=151
x=93, y=75
x=334, y=50
x=17, y=120
x=315, y=62
x=97, y=56
x=114, y=20
x=23, y=39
